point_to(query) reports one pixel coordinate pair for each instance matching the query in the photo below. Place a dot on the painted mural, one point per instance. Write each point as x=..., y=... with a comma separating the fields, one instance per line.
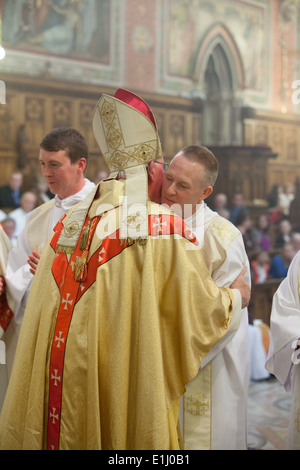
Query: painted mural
x=74, y=28
x=189, y=21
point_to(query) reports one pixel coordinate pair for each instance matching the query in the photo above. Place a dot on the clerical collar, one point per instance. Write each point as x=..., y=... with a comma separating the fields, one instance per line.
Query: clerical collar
x=196, y=219
x=68, y=202
x=201, y=217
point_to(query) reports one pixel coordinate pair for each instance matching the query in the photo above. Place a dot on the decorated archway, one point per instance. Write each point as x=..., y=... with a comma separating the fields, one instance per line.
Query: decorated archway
x=219, y=75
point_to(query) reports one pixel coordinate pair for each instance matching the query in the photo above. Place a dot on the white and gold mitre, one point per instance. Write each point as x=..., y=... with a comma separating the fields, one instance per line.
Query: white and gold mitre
x=125, y=130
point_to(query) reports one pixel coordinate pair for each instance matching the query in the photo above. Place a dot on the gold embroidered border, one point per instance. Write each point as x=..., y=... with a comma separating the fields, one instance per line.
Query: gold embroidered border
x=197, y=411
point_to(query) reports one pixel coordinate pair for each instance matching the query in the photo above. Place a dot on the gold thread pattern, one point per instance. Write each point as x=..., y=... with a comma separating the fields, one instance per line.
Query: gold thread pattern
x=223, y=230
x=70, y=229
x=117, y=158
x=197, y=404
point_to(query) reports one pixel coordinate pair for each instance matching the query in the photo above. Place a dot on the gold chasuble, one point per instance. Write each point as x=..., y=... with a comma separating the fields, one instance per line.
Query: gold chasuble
x=113, y=331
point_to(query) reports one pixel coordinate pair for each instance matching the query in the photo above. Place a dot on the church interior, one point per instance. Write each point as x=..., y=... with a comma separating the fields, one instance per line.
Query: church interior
x=224, y=74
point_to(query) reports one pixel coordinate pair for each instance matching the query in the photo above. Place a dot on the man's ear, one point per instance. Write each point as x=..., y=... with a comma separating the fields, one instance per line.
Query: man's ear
x=151, y=173
x=207, y=192
x=82, y=164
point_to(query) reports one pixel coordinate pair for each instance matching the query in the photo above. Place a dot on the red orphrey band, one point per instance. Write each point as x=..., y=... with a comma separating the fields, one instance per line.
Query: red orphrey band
x=71, y=291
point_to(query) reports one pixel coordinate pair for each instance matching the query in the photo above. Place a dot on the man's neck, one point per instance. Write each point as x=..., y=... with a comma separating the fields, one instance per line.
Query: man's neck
x=190, y=211
x=76, y=190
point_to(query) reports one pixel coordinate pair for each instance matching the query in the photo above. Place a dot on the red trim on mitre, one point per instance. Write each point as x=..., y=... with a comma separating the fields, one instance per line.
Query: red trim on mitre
x=135, y=102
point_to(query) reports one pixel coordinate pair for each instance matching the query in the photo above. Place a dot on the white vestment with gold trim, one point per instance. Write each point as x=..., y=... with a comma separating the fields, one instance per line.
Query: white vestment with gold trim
x=38, y=228
x=283, y=358
x=214, y=407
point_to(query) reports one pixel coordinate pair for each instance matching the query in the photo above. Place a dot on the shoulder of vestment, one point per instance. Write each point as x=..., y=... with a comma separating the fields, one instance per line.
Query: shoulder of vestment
x=223, y=231
x=42, y=209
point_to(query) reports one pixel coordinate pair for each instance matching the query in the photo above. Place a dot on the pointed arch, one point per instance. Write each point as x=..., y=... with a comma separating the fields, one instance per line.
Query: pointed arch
x=218, y=38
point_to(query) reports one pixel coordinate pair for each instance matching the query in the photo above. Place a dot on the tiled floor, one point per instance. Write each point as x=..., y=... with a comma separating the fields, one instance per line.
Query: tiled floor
x=268, y=414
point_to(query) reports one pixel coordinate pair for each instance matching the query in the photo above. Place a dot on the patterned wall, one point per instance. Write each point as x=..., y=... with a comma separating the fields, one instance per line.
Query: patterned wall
x=40, y=112
x=61, y=54
x=74, y=40
x=185, y=26
x=43, y=106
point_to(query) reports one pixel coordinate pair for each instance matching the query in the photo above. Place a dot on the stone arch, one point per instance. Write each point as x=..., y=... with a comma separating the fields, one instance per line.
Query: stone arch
x=219, y=75
x=219, y=38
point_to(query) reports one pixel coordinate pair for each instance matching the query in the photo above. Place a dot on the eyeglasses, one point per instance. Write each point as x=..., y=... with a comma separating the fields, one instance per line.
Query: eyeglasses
x=165, y=165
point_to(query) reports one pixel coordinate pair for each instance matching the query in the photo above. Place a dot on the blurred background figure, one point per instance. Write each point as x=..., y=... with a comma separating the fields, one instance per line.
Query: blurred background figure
x=244, y=223
x=280, y=263
x=296, y=242
x=220, y=202
x=9, y=226
x=260, y=266
x=261, y=233
x=42, y=191
x=27, y=204
x=275, y=212
x=10, y=194
x=3, y=215
x=237, y=206
x=284, y=233
x=286, y=196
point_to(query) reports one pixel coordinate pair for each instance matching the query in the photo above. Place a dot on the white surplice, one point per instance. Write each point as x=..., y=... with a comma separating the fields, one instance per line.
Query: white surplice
x=19, y=215
x=38, y=228
x=214, y=407
x=283, y=358
x=257, y=353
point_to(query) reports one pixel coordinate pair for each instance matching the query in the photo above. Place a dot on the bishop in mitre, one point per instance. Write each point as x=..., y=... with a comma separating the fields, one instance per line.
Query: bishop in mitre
x=122, y=309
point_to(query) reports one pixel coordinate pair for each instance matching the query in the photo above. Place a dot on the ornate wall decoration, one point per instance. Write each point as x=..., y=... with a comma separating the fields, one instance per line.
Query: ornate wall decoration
x=177, y=125
x=85, y=112
x=73, y=40
x=76, y=28
x=142, y=40
x=276, y=141
x=34, y=109
x=261, y=135
x=183, y=28
x=6, y=134
x=159, y=50
x=292, y=145
x=282, y=136
x=288, y=10
x=62, y=112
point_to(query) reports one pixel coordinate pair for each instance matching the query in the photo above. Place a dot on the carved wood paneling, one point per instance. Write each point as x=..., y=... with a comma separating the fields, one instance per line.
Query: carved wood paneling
x=280, y=132
x=262, y=297
x=242, y=169
x=43, y=105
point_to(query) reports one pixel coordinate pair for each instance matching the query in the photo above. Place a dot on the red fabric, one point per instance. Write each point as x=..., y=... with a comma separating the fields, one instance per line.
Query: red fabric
x=71, y=292
x=255, y=270
x=6, y=313
x=135, y=102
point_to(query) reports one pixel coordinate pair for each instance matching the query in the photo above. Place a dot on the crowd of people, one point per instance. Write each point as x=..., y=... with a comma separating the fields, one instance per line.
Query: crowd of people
x=271, y=240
